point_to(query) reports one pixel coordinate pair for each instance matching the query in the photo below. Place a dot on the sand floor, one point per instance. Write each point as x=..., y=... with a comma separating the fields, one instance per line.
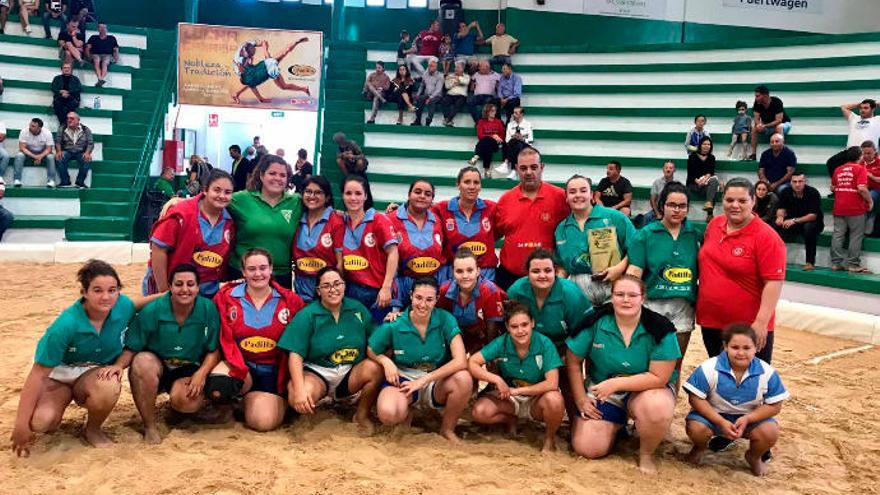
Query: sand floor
x=829, y=443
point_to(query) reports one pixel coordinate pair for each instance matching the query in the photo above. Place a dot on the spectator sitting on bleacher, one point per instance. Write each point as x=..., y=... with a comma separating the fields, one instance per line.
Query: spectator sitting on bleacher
x=657, y=186
x=375, y=86
x=66, y=90
x=102, y=49
x=696, y=134
x=74, y=142
x=862, y=127
x=4, y=155
x=464, y=43
x=83, y=12
x=852, y=202
x=872, y=166
x=5, y=5
x=490, y=137
x=485, y=83
x=241, y=167
x=777, y=164
x=429, y=94
x=164, y=184
x=428, y=43
x=6, y=216
x=799, y=213
x=403, y=50
x=769, y=117
x=71, y=43
x=503, y=45
x=509, y=91
x=766, y=202
x=614, y=190
x=26, y=9
x=456, y=85
x=401, y=92
x=519, y=135
x=447, y=56
x=36, y=144
x=54, y=9
x=701, y=179
x=739, y=131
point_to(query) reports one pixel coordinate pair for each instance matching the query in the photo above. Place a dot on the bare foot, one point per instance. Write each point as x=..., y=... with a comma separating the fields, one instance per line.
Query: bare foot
x=265, y=100
x=549, y=445
x=695, y=456
x=307, y=91
x=451, y=436
x=364, y=425
x=758, y=467
x=236, y=100
x=511, y=427
x=647, y=464
x=97, y=438
x=152, y=436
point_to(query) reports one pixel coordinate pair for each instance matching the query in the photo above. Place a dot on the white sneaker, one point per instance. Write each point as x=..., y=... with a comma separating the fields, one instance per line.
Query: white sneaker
x=16, y=183
x=512, y=175
x=474, y=159
x=51, y=184
x=28, y=30
x=500, y=170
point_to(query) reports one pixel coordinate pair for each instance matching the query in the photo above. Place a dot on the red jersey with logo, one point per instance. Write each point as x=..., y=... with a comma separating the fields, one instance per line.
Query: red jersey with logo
x=189, y=237
x=476, y=233
x=316, y=247
x=734, y=269
x=484, y=305
x=430, y=42
x=873, y=168
x=250, y=335
x=528, y=224
x=846, y=181
x=363, y=248
x=420, y=251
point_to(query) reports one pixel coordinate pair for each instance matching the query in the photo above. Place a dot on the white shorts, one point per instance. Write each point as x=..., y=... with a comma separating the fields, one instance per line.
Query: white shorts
x=678, y=310
x=597, y=292
x=332, y=378
x=68, y=374
x=522, y=406
x=272, y=67
x=424, y=398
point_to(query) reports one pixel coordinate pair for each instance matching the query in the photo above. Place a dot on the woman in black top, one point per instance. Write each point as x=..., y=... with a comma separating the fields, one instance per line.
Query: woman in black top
x=400, y=92
x=766, y=202
x=701, y=179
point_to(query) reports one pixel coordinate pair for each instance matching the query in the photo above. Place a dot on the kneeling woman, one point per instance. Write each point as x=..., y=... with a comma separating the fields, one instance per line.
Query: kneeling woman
x=630, y=372
x=172, y=347
x=425, y=364
x=74, y=360
x=327, y=342
x=253, y=316
x=527, y=383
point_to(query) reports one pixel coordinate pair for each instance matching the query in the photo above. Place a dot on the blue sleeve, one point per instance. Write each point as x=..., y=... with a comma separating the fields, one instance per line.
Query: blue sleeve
x=776, y=391
x=517, y=87
x=697, y=383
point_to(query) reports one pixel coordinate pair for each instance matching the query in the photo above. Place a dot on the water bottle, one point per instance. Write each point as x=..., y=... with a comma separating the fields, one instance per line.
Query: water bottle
x=97, y=103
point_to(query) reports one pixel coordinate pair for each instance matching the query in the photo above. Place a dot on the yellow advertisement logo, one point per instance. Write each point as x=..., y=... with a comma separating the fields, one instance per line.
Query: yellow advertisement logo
x=344, y=356
x=310, y=265
x=678, y=275
x=353, y=262
x=208, y=259
x=257, y=344
x=478, y=248
x=423, y=265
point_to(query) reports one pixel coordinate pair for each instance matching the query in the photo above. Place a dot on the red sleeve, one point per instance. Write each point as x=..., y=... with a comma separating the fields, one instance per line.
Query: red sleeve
x=481, y=129
x=166, y=232
x=771, y=255
x=862, y=177
x=499, y=128
x=231, y=352
x=384, y=230
x=494, y=308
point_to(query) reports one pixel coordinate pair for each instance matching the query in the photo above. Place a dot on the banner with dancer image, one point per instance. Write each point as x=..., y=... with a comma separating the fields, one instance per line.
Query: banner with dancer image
x=249, y=67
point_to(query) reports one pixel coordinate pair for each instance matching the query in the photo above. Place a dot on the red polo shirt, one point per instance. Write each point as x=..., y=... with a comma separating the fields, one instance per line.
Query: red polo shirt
x=846, y=181
x=733, y=270
x=528, y=224
x=873, y=169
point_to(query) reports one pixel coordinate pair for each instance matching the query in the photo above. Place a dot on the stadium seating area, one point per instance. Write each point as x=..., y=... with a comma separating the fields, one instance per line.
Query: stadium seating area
x=126, y=117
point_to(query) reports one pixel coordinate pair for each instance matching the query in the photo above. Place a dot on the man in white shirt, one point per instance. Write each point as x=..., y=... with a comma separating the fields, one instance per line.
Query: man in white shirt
x=456, y=85
x=864, y=126
x=4, y=155
x=35, y=143
x=519, y=135
x=5, y=215
x=656, y=188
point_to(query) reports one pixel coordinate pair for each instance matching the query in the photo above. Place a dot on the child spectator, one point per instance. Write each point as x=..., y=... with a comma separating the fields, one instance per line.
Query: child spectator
x=742, y=124
x=735, y=395
x=446, y=54
x=402, y=49
x=696, y=134
x=852, y=202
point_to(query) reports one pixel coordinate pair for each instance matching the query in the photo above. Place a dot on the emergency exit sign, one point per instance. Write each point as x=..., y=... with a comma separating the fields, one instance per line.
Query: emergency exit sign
x=277, y=114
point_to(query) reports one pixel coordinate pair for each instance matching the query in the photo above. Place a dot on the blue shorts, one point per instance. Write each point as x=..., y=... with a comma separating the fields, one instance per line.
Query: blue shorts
x=304, y=286
x=367, y=296
x=769, y=131
x=264, y=378
x=695, y=416
x=424, y=398
x=616, y=411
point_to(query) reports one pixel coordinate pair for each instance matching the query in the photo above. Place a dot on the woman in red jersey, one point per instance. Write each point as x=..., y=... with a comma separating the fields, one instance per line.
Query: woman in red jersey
x=253, y=316
x=318, y=241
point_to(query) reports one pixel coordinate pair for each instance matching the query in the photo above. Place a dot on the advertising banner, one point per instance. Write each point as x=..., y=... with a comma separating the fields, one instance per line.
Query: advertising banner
x=793, y=6
x=647, y=9
x=249, y=67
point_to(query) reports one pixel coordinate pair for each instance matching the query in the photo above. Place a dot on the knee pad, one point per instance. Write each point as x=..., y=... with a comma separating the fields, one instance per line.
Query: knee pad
x=223, y=389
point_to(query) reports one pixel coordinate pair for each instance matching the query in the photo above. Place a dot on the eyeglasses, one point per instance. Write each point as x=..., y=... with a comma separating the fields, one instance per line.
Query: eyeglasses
x=677, y=206
x=626, y=295
x=313, y=192
x=338, y=285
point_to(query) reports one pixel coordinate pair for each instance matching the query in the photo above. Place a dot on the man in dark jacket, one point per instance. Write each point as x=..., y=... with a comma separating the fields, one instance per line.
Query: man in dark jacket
x=241, y=168
x=74, y=142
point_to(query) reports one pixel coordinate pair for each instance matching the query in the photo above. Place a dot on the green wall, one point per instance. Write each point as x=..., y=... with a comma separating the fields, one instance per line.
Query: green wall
x=383, y=25
x=162, y=14
x=252, y=13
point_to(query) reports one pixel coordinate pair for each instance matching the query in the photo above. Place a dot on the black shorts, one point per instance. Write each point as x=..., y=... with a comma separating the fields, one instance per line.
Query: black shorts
x=171, y=375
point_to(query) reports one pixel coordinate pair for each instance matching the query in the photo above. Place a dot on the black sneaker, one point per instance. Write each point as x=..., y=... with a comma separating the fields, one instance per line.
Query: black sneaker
x=81, y=186
x=767, y=456
x=416, y=123
x=719, y=443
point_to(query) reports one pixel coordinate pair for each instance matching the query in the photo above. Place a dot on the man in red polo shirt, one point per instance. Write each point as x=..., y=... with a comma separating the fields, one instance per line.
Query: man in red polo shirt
x=852, y=202
x=526, y=217
x=428, y=42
